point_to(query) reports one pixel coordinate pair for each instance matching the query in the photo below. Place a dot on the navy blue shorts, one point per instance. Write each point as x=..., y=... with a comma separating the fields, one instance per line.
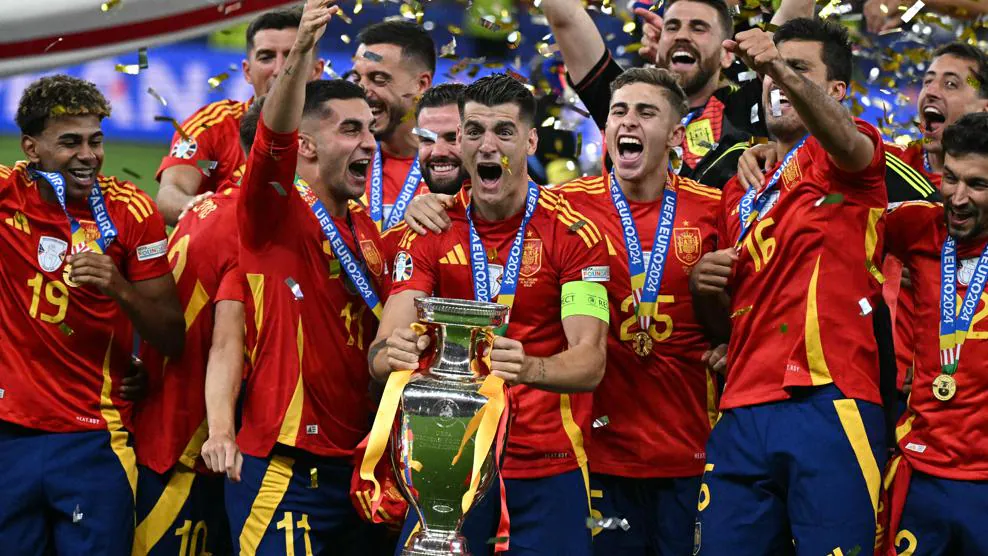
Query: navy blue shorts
x=67, y=493
x=548, y=517
x=660, y=514
x=297, y=504
x=799, y=476
x=943, y=517
x=180, y=512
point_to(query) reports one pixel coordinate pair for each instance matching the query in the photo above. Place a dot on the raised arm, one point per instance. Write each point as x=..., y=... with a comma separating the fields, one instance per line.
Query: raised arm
x=267, y=185
x=576, y=34
x=791, y=9
x=825, y=118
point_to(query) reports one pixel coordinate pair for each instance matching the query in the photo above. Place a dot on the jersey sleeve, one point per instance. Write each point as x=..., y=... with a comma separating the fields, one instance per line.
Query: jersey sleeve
x=595, y=89
x=193, y=147
x=232, y=282
x=147, y=243
x=267, y=186
x=908, y=224
x=581, y=250
x=905, y=183
x=873, y=175
x=415, y=266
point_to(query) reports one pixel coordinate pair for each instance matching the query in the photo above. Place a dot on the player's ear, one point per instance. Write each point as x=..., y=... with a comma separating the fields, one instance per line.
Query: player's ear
x=533, y=141
x=306, y=146
x=30, y=147
x=317, y=68
x=837, y=90
x=676, y=137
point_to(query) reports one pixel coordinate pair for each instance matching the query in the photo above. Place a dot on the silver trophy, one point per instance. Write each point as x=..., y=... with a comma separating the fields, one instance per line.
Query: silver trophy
x=436, y=407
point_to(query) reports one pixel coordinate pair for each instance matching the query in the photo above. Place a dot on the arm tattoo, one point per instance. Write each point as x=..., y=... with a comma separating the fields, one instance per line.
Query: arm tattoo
x=374, y=350
x=541, y=379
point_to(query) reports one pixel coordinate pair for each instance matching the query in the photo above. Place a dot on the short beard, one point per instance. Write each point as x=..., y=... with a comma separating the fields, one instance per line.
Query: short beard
x=700, y=79
x=976, y=231
x=396, y=114
x=451, y=187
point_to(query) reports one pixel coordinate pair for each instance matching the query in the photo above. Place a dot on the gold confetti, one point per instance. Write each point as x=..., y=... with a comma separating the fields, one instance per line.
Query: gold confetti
x=342, y=15
x=313, y=478
x=629, y=27
x=454, y=30
x=504, y=163
x=107, y=6
x=345, y=39
x=490, y=23
x=574, y=227
x=448, y=50
x=742, y=311
x=516, y=76
x=358, y=7
x=175, y=124
x=131, y=173
x=216, y=80
x=129, y=69
x=548, y=122
x=514, y=39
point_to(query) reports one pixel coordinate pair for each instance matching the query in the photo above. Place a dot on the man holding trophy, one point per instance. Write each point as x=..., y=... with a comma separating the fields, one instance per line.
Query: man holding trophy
x=513, y=239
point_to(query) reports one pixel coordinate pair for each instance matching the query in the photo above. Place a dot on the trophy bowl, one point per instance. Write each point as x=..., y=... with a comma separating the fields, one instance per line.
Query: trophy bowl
x=436, y=408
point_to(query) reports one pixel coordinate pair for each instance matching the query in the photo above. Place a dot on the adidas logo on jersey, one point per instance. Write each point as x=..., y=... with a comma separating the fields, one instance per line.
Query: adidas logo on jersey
x=19, y=222
x=456, y=255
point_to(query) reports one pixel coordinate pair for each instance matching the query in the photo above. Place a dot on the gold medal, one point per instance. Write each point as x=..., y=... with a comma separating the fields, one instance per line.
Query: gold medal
x=641, y=342
x=944, y=387
x=66, y=271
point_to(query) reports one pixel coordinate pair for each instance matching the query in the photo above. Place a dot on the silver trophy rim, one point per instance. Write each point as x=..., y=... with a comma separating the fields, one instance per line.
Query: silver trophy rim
x=428, y=307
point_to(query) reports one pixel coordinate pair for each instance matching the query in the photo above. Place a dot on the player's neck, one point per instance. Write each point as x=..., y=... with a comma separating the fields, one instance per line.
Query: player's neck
x=47, y=194
x=504, y=208
x=699, y=99
x=784, y=145
x=936, y=161
x=335, y=207
x=647, y=189
x=402, y=143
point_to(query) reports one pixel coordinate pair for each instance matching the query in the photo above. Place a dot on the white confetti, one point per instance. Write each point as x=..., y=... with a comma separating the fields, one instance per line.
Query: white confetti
x=296, y=289
x=747, y=76
x=601, y=421
x=77, y=514
x=913, y=10
x=865, y=306
x=425, y=133
x=609, y=523
x=754, y=114
x=775, y=98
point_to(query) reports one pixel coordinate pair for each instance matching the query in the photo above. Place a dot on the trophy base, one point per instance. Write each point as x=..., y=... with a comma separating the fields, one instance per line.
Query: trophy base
x=434, y=543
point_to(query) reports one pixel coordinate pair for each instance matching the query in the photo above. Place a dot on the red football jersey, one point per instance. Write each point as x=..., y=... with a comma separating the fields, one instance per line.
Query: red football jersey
x=902, y=303
x=548, y=431
x=309, y=383
x=394, y=170
x=211, y=144
x=943, y=439
x=64, y=347
x=806, y=280
x=203, y=254
x=660, y=408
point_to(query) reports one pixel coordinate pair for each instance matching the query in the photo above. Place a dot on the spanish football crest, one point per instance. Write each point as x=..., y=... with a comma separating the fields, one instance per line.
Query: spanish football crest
x=375, y=263
x=51, y=253
x=687, y=245
x=792, y=173
x=531, y=258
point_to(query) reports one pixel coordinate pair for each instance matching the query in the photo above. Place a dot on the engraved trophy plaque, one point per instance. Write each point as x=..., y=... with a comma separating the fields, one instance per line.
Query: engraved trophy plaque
x=437, y=408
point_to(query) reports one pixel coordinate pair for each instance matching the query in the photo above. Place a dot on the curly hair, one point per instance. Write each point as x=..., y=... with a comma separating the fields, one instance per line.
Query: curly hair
x=58, y=95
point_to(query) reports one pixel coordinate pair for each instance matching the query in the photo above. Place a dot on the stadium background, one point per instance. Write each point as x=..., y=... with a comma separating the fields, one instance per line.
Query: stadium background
x=181, y=73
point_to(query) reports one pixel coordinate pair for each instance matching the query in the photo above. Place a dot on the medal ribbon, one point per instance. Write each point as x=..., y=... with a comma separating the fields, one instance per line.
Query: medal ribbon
x=478, y=258
x=348, y=261
x=645, y=283
x=954, y=326
x=376, y=199
x=97, y=206
x=750, y=207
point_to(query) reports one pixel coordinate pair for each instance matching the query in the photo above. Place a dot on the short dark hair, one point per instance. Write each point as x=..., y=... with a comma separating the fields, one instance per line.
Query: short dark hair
x=837, y=55
x=968, y=135
x=58, y=95
x=440, y=95
x=499, y=88
x=284, y=18
x=661, y=78
x=970, y=53
x=724, y=18
x=319, y=92
x=416, y=43
x=248, y=124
